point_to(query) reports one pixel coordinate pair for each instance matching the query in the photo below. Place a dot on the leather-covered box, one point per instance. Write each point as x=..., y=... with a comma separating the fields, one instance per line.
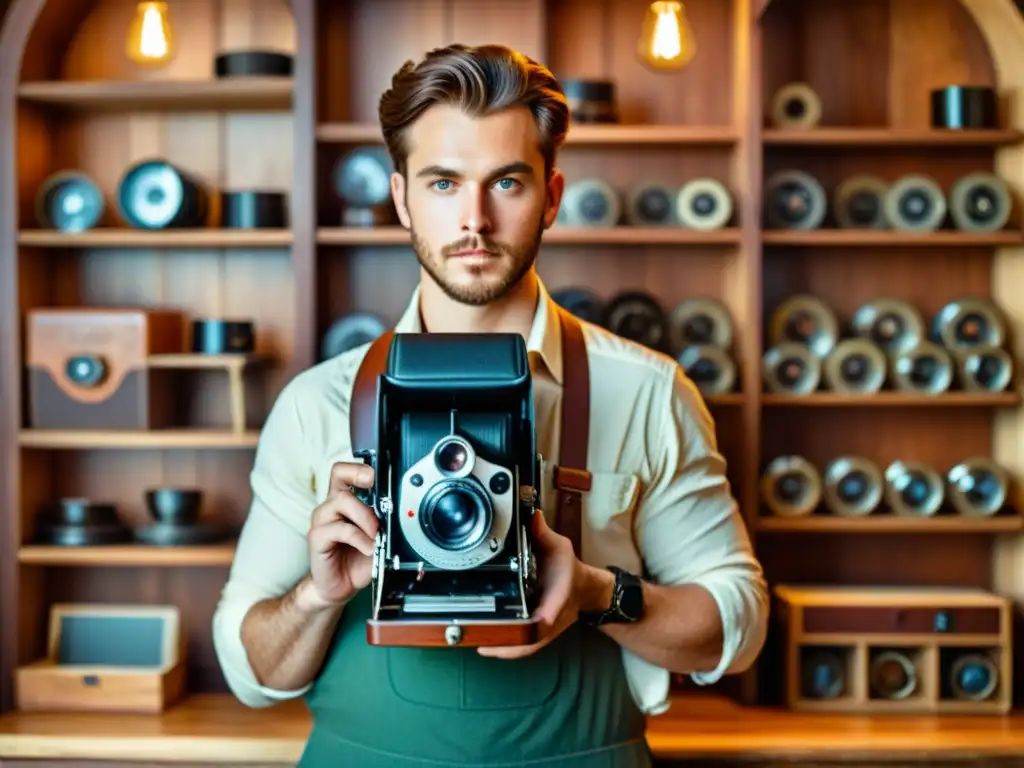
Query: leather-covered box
x=87, y=367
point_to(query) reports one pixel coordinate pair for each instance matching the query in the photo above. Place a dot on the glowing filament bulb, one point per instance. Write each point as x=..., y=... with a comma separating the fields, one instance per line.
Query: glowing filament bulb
x=149, y=36
x=667, y=41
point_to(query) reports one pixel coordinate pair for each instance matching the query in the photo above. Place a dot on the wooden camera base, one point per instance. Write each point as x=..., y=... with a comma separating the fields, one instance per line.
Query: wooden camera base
x=896, y=650
x=447, y=632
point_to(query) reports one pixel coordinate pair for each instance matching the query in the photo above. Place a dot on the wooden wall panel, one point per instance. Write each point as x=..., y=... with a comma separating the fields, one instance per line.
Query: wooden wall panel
x=588, y=39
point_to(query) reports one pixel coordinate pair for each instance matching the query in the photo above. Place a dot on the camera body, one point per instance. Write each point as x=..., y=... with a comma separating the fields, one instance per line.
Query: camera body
x=456, y=483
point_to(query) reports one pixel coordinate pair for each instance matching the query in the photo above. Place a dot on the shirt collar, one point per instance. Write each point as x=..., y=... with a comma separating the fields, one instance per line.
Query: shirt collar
x=544, y=341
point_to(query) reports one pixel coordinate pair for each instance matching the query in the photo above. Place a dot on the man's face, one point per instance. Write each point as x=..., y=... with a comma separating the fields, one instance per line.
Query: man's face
x=475, y=199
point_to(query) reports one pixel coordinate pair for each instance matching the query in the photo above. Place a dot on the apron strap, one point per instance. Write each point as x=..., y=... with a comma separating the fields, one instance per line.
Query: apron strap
x=571, y=477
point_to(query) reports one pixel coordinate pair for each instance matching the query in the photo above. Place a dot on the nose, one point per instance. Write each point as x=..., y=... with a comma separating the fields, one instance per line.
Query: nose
x=474, y=209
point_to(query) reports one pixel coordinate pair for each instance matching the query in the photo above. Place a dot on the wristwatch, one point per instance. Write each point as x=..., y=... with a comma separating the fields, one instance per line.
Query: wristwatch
x=627, y=601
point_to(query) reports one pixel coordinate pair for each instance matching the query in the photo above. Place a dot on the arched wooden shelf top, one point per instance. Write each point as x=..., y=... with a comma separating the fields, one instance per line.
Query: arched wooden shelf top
x=40, y=86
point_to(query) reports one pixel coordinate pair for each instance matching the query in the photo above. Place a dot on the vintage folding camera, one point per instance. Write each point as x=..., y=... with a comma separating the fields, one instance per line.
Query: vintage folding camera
x=457, y=478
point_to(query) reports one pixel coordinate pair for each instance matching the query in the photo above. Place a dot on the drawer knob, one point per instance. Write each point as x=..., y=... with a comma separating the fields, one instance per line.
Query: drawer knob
x=943, y=621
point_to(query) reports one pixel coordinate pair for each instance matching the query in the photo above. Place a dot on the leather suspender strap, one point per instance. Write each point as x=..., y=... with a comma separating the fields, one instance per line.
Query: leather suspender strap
x=570, y=478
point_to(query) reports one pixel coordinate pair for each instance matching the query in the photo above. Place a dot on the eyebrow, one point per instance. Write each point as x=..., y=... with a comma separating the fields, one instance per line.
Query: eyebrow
x=505, y=170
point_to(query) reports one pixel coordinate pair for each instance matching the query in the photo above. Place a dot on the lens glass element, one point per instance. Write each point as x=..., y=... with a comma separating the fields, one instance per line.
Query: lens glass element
x=451, y=457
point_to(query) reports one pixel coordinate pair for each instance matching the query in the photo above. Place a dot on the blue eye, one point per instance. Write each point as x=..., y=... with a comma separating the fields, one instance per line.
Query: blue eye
x=508, y=183
x=442, y=182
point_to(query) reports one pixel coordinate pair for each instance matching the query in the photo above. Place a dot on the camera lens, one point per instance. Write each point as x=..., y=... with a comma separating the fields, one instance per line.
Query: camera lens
x=451, y=457
x=456, y=515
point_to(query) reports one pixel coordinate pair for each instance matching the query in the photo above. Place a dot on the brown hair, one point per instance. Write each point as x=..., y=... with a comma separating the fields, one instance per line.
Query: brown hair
x=479, y=80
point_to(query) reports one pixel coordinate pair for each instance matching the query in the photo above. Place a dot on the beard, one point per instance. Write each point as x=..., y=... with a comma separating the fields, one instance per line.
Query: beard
x=515, y=262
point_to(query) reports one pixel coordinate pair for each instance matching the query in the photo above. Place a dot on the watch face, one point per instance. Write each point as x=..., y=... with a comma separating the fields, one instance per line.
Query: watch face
x=632, y=602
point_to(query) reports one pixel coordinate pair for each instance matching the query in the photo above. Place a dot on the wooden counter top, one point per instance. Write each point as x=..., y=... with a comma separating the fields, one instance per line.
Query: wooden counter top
x=216, y=728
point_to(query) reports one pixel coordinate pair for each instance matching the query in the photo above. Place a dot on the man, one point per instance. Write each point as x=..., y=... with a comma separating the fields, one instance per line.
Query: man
x=474, y=134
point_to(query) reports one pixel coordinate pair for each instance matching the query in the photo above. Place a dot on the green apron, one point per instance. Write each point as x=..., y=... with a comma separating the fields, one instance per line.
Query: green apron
x=567, y=706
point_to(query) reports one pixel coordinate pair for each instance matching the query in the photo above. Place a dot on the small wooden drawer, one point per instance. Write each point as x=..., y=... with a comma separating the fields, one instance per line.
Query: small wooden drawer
x=886, y=620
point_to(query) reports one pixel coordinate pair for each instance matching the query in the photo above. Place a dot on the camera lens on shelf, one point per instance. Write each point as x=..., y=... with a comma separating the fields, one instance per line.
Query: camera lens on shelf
x=977, y=487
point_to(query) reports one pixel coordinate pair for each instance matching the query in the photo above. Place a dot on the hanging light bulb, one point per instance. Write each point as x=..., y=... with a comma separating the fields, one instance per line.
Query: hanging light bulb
x=149, y=35
x=667, y=41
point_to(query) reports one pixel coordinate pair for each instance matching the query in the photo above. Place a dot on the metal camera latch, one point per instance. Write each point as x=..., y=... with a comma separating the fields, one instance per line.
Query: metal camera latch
x=453, y=635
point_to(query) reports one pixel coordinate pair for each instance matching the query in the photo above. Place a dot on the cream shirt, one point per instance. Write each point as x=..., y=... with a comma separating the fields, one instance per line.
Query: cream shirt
x=659, y=498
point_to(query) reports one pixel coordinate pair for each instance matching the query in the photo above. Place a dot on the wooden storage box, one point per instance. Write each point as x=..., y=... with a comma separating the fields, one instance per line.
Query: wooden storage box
x=106, y=658
x=87, y=368
x=900, y=650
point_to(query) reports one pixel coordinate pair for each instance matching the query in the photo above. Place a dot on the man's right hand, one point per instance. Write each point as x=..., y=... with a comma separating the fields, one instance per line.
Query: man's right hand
x=341, y=536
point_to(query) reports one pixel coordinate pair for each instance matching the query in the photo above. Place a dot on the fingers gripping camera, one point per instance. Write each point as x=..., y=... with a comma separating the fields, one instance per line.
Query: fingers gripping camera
x=456, y=508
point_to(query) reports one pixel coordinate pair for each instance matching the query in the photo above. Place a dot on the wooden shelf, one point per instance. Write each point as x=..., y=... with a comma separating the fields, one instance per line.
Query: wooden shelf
x=888, y=523
x=168, y=238
x=893, y=399
x=730, y=398
x=169, y=439
x=215, y=728
x=889, y=137
x=629, y=135
x=128, y=555
x=866, y=237
x=200, y=361
x=206, y=95
x=555, y=236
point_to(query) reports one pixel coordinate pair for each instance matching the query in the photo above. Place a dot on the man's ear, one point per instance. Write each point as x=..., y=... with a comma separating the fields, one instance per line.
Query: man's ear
x=398, y=196
x=555, y=188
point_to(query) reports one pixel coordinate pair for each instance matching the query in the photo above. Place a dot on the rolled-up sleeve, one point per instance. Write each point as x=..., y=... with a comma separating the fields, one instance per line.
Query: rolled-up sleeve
x=272, y=552
x=690, y=529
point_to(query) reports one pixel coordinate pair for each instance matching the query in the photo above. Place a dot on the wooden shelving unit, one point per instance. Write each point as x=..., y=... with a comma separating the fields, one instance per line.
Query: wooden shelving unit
x=896, y=139
x=271, y=93
x=894, y=400
x=66, y=102
x=579, y=135
x=115, y=237
x=128, y=555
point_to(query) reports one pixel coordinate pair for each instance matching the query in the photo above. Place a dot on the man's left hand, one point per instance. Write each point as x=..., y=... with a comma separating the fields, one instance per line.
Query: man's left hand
x=560, y=573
